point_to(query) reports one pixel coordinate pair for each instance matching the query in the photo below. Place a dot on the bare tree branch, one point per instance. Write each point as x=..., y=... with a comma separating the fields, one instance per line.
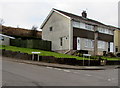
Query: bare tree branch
x=1, y=21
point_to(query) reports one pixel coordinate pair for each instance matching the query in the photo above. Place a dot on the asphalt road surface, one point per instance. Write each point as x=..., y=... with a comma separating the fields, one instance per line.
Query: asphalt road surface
x=20, y=74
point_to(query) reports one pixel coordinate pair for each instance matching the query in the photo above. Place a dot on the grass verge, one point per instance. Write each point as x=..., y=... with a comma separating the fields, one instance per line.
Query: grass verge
x=49, y=53
x=43, y=53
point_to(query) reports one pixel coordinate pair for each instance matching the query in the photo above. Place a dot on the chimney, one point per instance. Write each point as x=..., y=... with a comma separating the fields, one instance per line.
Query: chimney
x=84, y=14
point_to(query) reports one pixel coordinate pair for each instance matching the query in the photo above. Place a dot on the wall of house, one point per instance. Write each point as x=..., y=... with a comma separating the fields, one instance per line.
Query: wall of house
x=5, y=41
x=117, y=40
x=61, y=27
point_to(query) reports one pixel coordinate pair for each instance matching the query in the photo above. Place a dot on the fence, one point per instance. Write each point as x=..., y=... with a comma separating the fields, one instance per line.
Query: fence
x=31, y=43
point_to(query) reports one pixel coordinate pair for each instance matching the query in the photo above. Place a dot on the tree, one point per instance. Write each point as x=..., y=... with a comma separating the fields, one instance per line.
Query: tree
x=1, y=21
x=34, y=31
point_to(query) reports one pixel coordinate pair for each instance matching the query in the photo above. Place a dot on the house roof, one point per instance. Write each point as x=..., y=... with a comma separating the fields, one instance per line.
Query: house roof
x=78, y=18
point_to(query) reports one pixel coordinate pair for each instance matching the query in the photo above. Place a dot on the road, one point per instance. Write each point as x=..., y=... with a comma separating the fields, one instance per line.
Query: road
x=21, y=74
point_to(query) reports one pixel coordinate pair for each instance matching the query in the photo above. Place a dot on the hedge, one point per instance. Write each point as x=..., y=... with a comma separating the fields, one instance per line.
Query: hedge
x=31, y=43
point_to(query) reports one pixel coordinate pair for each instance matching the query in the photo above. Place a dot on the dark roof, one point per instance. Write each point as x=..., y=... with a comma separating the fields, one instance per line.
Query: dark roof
x=79, y=18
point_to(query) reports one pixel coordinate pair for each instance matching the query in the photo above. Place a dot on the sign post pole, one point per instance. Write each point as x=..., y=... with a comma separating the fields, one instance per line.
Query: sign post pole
x=88, y=55
x=34, y=56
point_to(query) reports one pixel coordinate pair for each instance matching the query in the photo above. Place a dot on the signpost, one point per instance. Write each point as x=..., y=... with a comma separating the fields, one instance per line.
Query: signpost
x=33, y=57
x=87, y=55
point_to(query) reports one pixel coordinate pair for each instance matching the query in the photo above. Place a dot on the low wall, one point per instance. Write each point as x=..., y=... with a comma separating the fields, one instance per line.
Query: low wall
x=69, y=61
x=51, y=59
x=113, y=63
x=17, y=55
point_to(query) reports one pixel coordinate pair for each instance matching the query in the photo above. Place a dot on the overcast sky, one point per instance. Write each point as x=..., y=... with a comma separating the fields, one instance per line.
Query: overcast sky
x=26, y=13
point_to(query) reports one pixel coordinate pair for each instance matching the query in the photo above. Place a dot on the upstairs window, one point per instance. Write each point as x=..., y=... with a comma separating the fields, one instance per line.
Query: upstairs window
x=83, y=25
x=51, y=28
x=105, y=31
x=76, y=24
x=89, y=27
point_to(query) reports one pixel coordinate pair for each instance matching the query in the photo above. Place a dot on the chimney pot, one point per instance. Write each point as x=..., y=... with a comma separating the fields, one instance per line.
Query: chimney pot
x=84, y=14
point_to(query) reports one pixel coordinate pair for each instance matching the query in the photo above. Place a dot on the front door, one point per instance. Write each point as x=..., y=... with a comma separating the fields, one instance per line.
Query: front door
x=111, y=47
x=78, y=43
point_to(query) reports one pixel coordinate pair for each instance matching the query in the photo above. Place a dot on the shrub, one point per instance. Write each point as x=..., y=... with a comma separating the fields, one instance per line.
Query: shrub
x=111, y=55
x=118, y=55
x=31, y=43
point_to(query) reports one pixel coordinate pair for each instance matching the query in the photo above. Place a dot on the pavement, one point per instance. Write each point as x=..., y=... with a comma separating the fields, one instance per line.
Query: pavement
x=62, y=66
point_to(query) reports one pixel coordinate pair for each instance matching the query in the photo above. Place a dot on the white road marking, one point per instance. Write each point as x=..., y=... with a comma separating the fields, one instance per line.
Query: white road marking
x=88, y=75
x=66, y=70
x=109, y=80
x=57, y=69
x=49, y=67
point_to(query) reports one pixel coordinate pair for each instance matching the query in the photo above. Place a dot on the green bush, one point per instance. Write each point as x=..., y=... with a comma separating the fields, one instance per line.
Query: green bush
x=31, y=43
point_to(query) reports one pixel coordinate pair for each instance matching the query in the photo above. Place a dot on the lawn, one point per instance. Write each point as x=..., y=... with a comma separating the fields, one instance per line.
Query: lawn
x=111, y=59
x=49, y=53
x=43, y=53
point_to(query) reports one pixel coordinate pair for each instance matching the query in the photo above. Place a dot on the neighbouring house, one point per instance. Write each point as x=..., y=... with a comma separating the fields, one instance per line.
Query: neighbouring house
x=24, y=38
x=69, y=33
x=117, y=41
x=5, y=39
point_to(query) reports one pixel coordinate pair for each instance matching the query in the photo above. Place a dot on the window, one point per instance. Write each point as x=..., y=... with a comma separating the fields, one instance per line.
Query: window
x=61, y=41
x=104, y=30
x=92, y=43
x=111, y=32
x=101, y=44
x=76, y=24
x=83, y=25
x=78, y=41
x=89, y=27
x=116, y=49
x=89, y=43
x=86, y=42
x=51, y=29
x=2, y=38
